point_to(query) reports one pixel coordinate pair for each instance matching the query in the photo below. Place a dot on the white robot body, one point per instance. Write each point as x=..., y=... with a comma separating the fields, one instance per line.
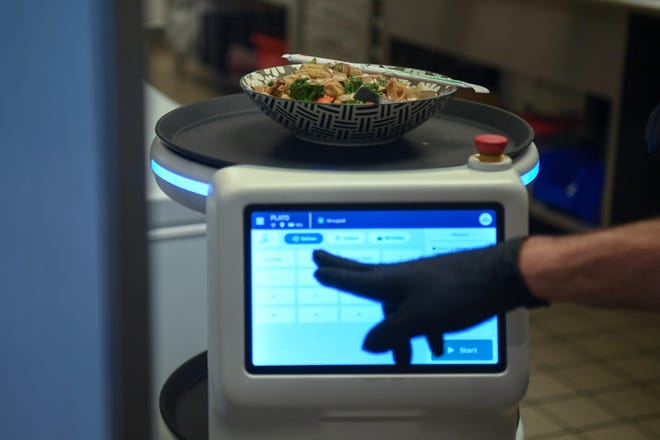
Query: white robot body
x=252, y=400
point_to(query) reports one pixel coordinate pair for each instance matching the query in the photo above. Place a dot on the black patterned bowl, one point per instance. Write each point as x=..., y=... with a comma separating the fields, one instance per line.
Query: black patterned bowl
x=343, y=124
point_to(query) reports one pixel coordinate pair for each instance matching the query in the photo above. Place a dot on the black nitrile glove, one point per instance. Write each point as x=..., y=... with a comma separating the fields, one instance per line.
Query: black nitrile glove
x=431, y=296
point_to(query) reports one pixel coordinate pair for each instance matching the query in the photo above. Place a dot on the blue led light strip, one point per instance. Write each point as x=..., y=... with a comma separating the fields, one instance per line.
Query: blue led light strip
x=530, y=175
x=202, y=188
x=179, y=181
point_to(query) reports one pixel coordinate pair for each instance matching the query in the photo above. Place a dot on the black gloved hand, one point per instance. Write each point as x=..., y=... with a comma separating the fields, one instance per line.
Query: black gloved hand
x=431, y=296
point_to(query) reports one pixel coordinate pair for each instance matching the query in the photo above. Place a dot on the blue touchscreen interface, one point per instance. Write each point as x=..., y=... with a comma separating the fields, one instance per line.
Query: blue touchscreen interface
x=294, y=324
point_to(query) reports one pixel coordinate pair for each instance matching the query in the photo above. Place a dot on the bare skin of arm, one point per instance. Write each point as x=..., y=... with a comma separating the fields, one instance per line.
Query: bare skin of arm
x=613, y=267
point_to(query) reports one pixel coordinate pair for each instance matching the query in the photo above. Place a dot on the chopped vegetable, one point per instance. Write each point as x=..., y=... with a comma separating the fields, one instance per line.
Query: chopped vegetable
x=325, y=99
x=353, y=84
x=303, y=91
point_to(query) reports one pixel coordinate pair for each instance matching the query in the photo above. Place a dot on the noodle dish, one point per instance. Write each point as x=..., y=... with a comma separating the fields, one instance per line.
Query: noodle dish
x=338, y=104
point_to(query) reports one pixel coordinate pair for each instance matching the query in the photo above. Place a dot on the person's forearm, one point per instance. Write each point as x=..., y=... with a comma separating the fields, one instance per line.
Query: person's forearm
x=615, y=267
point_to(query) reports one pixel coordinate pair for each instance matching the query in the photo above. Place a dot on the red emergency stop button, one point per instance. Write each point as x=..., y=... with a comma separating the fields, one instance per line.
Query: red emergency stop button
x=490, y=157
x=490, y=144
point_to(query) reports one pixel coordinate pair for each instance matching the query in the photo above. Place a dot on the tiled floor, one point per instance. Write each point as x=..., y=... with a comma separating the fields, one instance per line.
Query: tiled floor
x=595, y=373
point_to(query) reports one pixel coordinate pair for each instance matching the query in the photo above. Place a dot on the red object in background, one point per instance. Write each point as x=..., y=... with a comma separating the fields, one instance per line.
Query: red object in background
x=548, y=126
x=269, y=50
x=490, y=144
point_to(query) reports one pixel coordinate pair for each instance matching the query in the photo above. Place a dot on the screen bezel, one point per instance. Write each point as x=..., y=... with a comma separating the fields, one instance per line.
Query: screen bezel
x=453, y=368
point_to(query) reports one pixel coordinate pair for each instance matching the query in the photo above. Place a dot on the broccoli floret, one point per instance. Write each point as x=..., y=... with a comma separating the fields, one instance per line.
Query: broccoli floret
x=303, y=91
x=353, y=84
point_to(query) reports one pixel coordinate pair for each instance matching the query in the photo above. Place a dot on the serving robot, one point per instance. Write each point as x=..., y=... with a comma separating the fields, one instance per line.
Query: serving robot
x=284, y=353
